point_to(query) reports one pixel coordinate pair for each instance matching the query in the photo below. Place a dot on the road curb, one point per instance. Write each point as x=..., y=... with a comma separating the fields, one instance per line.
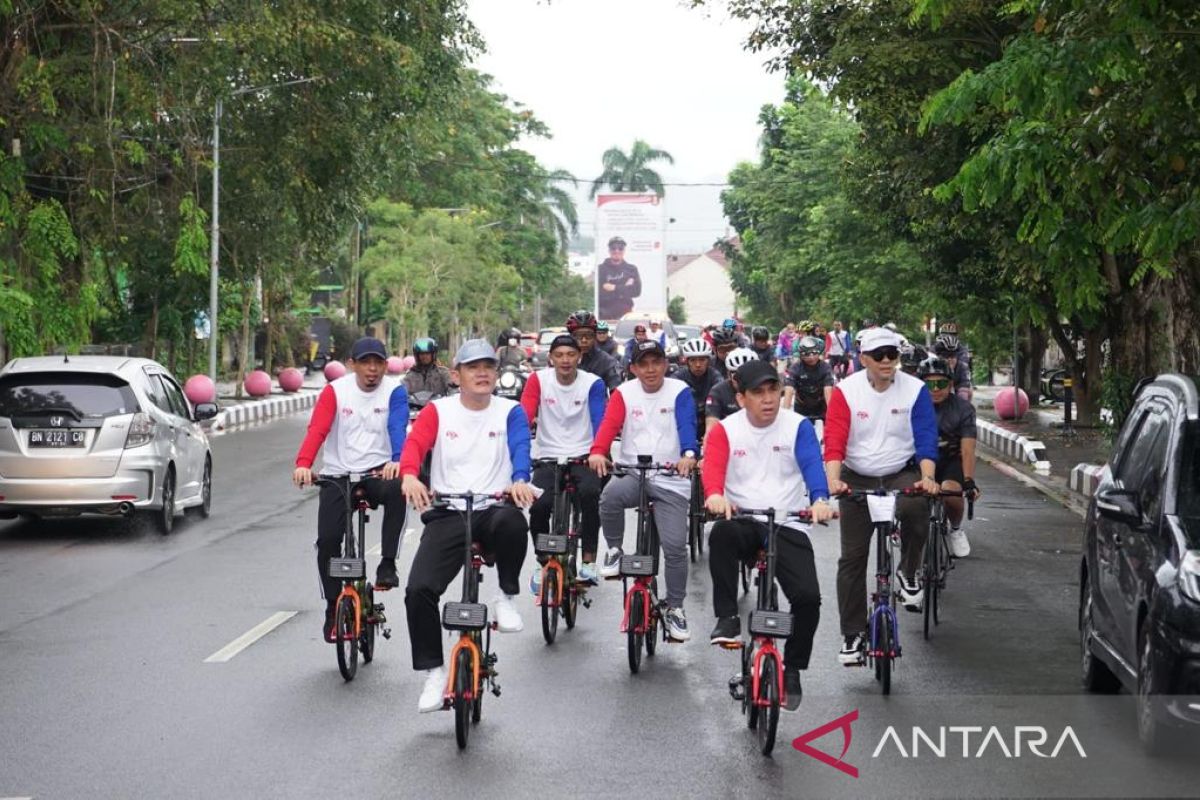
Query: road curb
x=1086, y=477
x=268, y=408
x=1014, y=445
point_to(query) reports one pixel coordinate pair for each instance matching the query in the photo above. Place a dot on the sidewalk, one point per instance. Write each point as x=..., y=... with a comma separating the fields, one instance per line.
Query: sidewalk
x=236, y=412
x=1072, y=461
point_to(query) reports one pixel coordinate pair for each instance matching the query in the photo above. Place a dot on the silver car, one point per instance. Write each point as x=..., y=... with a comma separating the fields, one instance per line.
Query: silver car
x=101, y=434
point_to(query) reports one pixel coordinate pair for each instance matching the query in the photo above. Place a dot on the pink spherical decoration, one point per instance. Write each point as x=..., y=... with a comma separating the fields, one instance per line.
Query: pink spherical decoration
x=408, y=362
x=1005, y=403
x=291, y=379
x=334, y=370
x=200, y=389
x=395, y=365
x=257, y=384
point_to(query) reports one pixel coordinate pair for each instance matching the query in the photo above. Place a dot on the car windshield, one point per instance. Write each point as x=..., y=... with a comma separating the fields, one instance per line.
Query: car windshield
x=547, y=337
x=1189, y=484
x=81, y=396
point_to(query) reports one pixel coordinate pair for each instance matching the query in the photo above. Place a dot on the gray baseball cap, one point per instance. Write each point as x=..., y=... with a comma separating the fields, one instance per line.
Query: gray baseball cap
x=475, y=350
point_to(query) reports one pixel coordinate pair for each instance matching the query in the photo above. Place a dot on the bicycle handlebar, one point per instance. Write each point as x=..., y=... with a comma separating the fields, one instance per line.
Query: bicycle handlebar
x=647, y=467
x=802, y=514
x=908, y=491
x=566, y=462
x=468, y=495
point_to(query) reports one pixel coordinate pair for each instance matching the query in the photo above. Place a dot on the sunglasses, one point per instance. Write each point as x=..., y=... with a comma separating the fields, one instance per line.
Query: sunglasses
x=885, y=354
x=937, y=383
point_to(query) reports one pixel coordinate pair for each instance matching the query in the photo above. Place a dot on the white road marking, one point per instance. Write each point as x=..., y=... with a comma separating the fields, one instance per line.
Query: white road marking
x=250, y=637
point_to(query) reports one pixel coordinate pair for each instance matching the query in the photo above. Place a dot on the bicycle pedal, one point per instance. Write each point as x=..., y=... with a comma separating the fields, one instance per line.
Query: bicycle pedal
x=387, y=633
x=737, y=689
x=730, y=645
x=585, y=602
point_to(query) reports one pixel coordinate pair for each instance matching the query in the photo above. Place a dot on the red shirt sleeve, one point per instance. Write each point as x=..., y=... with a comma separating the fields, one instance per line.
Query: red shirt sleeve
x=614, y=421
x=420, y=440
x=319, y=425
x=531, y=396
x=837, y=426
x=716, y=461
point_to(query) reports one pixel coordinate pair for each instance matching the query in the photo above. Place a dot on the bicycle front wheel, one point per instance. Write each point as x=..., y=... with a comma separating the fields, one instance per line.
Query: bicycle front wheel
x=633, y=637
x=931, y=580
x=463, y=686
x=347, y=642
x=885, y=660
x=550, y=605
x=768, y=702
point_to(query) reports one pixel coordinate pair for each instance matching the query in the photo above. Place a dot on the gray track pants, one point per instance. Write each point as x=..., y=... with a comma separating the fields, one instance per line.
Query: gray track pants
x=670, y=513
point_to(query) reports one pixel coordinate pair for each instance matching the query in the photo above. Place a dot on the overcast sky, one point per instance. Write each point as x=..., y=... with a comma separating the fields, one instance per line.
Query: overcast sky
x=605, y=72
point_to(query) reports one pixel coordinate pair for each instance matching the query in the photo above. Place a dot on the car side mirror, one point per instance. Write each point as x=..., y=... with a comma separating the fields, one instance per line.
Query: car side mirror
x=1119, y=505
x=205, y=411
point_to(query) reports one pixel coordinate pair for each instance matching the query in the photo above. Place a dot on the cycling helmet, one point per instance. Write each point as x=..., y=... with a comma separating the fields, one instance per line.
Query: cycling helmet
x=601, y=326
x=730, y=324
x=759, y=332
x=581, y=319
x=695, y=348
x=941, y=349
x=934, y=366
x=950, y=340
x=722, y=336
x=891, y=326
x=809, y=346
x=743, y=355
x=911, y=356
x=425, y=345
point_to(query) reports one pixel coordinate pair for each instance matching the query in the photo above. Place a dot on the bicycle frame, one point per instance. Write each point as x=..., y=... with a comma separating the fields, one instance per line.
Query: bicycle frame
x=351, y=566
x=647, y=545
x=566, y=524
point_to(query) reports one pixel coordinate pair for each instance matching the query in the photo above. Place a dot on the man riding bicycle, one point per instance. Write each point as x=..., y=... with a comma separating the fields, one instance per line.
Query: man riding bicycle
x=361, y=419
x=722, y=398
x=480, y=443
x=880, y=432
x=948, y=347
x=655, y=416
x=582, y=325
x=567, y=405
x=604, y=340
x=698, y=373
x=724, y=342
x=765, y=456
x=957, y=435
x=809, y=382
x=426, y=374
x=761, y=344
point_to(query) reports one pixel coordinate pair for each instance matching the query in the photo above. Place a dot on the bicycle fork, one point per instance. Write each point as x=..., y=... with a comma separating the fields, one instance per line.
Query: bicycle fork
x=640, y=586
x=883, y=608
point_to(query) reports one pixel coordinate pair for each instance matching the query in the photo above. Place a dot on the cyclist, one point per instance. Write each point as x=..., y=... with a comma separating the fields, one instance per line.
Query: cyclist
x=785, y=342
x=734, y=328
x=722, y=398
x=480, y=443
x=639, y=335
x=945, y=347
x=809, y=382
x=697, y=372
x=880, y=432
x=508, y=348
x=604, y=340
x=723, y=343
x=956, y=447
x=427, y=375
x=762, y=344
x=765, y=456
x=568, y=405
x=838, y=349
x=911, y=356
x=361, y=419
x=656, y=416
x=582, y=325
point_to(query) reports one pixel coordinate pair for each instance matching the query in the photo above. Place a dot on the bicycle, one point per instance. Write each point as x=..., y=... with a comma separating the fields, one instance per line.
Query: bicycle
x=760, y=686
x=356, y=615
x=472, y=662
x=883, y=646
x=642, y=622
x=696, y=518
x=938, y=560
x=560, y=575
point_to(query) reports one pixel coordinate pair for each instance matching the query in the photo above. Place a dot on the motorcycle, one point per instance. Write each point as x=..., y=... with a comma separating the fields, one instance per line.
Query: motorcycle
x=511, y=382
x=1052, y=384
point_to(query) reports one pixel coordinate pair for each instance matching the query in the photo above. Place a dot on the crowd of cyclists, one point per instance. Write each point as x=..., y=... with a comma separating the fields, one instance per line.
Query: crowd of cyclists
x=788, y=422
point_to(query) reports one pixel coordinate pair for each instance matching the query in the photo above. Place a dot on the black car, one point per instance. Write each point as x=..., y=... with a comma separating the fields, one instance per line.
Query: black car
x=1139, y=594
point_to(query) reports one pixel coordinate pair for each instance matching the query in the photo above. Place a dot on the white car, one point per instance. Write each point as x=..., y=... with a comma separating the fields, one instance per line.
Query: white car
x=101, y=435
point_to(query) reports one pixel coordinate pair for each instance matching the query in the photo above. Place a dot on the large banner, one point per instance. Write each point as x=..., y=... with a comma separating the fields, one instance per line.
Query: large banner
x=631, y=260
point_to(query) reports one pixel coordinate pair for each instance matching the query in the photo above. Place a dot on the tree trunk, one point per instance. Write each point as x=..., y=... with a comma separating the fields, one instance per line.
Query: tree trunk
x=269, y=328
x=171, y=355
x=152, y=330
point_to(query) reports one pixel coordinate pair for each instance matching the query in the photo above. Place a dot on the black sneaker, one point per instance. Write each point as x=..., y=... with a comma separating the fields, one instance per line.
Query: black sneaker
x=728, y=630
x=385, y=576
x=327, y=629
x=851, y=654
x=791, y=686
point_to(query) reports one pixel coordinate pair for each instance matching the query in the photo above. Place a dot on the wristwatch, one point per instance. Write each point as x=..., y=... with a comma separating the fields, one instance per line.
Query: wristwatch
x=689, y=453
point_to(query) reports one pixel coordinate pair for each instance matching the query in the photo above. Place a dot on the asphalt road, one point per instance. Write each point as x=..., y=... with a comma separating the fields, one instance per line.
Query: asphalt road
x=106, y=693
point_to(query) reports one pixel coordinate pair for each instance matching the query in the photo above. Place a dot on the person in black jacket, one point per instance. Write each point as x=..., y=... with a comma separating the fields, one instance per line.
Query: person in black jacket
x=619, y=282
x=582, y=326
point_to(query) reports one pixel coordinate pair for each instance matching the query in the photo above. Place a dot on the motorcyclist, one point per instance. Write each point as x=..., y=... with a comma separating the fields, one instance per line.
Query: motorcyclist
x=427, y=375
x=509, y=350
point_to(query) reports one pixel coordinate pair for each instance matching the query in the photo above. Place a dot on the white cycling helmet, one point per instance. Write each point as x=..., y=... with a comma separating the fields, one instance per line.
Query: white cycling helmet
x=695, y=348
x=742, y=355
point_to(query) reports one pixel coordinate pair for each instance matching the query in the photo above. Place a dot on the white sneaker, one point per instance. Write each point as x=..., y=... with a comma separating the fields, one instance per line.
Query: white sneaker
x=433, y=691
x=909, y=591
x=611, y=567
x=959, y=546
x=677, y=626
x=508, y=619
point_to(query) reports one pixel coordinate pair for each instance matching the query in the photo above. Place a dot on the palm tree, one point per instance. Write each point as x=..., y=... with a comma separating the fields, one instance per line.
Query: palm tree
x=629, y=173
x=560, y=215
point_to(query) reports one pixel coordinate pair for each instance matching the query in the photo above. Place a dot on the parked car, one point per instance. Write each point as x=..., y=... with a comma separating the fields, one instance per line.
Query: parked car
x=529, y=343
x=623, y=332
x=541, y=353
x=101, y=435
x=1139, y=594
x=688, y=332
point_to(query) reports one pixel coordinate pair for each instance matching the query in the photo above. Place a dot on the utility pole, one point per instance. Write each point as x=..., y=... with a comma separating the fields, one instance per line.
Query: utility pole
x=215, y=257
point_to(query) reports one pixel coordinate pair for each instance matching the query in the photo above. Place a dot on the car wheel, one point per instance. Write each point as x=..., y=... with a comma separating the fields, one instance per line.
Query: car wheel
x=164, y=518
x=1153, y=731
x=205, y=508
x=1095, y=674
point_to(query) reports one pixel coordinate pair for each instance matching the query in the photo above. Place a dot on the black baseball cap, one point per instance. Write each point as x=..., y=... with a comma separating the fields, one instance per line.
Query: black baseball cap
x=368, y=346
x=564, y=340
x=755, y=373
x=642, y=349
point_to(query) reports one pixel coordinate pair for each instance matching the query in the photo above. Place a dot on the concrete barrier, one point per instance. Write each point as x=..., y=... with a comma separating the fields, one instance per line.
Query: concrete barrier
x=267, y=408
x=1086, y=477
x=1014, y=445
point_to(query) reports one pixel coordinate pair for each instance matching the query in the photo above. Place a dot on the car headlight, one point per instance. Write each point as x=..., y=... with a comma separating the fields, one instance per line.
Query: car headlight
x=1189, y=574
x=508, y=380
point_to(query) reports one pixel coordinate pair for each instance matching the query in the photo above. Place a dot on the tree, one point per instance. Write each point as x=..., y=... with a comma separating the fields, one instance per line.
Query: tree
x=630, y=172
x=676, y=310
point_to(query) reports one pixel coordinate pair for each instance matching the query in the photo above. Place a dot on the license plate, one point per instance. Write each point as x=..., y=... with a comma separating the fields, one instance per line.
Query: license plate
x=57, y=437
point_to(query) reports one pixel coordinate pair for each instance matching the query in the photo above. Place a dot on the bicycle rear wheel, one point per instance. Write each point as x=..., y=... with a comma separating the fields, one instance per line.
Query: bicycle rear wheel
x=463, y=684
x=347, y=644
x=633, y=638
x=885, y=660
x=550, y=606
x=366, y=642
x=768, y=692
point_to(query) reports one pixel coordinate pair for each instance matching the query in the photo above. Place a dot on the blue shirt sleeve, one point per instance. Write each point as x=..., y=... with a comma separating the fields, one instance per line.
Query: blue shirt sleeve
x=924, y=426
x=597, y=403
x=685, y=421
x=398, y=419
x=518, y=443
x=812, y=465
